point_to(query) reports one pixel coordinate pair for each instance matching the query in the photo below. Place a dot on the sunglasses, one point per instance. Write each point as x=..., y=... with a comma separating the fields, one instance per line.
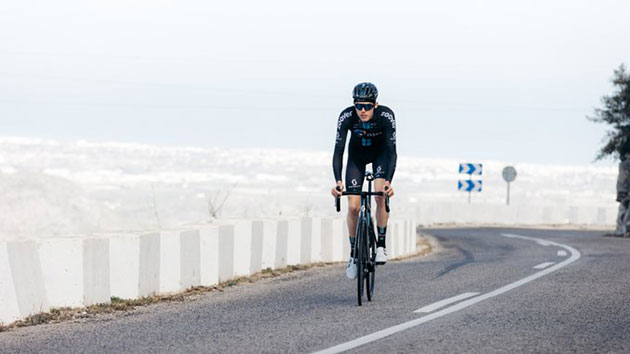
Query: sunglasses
x=366, y=106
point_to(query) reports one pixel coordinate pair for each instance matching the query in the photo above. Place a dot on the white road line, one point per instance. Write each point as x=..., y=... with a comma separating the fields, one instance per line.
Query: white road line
x=575, y=255
x=442, y=303
x=562, y=253
x=544, y=265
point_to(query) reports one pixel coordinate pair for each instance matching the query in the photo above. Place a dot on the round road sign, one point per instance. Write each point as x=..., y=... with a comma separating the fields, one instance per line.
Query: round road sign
x=509, y=174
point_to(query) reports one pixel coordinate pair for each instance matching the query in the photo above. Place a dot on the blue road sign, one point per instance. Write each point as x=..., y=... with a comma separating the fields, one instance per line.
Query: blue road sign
x=469, y=186
x=471, y=168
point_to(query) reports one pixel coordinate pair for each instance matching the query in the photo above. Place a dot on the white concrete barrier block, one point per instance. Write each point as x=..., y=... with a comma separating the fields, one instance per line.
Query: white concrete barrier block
x=611, y=216
x=235, y=242
x=124, y=263
x=398, y=230
x=601, y=216
x=226, y=252
x=340, y=239
x=549, y=216
x=574, y=215
x=331, y=240
x=405, y=236
x=414, y=234
x=170, y=262
x=294, y=239
x=62, y=270
x=258, y=237
x=288, y=250
x=310, y=242
x=282, y=244
x=389, y=239
x=190, y=257
x=409, y=235
x=28, y=280
x=96, y=286
x=316, y=240
x=391, y=231
x=149, y=264
x=209, y=255
x=9, y=310
x=345, y=242
x=270, y=235
x=402, y=236
x=134, y=265
x=242, y=247
x=306, y=239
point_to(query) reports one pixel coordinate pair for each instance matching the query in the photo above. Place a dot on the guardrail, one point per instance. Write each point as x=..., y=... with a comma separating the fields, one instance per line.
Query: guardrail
x=36, y=275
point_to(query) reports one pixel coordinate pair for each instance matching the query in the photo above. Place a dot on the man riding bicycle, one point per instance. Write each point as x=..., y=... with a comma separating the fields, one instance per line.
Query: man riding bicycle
x=373, y=140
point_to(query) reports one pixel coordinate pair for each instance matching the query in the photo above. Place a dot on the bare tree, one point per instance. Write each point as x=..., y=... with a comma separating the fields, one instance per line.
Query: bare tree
x=155, y=211
x=217, y=200
x=307, y=207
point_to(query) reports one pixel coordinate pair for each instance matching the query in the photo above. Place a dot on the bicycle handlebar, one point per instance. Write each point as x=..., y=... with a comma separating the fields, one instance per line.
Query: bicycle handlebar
x=367, y=194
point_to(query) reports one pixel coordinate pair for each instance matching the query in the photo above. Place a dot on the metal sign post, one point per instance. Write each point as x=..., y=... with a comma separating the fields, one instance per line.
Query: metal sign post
x=509, y=175
x=469, y=192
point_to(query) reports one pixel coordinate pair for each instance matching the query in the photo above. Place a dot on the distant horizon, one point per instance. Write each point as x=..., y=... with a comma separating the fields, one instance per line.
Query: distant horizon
x=602, y=163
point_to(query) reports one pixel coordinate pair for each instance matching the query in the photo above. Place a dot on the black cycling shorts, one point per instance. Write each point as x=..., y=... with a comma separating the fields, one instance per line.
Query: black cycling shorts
x=357, y=161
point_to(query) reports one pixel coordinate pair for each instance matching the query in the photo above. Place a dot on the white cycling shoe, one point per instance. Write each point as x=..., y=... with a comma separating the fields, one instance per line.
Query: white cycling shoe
x=381, y=256
x=351, y=269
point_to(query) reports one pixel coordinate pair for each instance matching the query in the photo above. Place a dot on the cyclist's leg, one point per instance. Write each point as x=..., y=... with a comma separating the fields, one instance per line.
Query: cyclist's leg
x=380, y=166
x=355, y=172
x=382, y=216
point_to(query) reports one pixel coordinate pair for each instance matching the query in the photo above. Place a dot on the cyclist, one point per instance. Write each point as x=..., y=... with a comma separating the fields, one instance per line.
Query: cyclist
x=373, y=140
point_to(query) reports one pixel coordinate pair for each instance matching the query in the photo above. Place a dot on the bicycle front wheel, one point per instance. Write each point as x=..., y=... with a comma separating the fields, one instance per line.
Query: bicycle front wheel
x=361, y=236
x=371, y=264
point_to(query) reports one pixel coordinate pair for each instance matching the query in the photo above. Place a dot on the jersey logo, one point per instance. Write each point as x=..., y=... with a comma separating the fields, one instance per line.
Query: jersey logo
x=390, y=117
x=342, y=118
x=354, y=183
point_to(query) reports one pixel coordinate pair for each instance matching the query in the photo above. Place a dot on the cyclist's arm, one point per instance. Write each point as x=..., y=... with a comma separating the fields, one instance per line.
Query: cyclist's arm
x=340, y=143
x=390, y=146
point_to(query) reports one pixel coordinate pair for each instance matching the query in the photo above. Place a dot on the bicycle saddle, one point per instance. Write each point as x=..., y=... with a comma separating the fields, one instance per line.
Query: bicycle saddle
x=369, y=176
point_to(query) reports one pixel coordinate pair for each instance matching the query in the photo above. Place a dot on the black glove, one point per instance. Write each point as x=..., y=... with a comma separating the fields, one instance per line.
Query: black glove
x=621, y=196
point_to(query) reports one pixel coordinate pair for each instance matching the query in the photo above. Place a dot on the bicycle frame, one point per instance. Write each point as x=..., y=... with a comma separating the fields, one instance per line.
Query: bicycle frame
x=365, y=241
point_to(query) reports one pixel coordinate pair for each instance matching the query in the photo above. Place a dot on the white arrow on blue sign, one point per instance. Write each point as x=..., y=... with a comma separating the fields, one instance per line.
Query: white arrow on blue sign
x=470, y=168
x=469, y=186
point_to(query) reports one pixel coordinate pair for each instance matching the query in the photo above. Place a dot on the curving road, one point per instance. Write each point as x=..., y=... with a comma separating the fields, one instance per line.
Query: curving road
x=486, y=291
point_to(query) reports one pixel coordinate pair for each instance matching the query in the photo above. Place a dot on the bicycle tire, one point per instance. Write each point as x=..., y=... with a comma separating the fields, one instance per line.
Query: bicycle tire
x=371, y=276
x=360, y=262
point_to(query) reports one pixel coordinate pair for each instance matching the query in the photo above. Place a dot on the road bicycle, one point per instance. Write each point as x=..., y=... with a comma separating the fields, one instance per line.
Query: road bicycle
x=365, y=242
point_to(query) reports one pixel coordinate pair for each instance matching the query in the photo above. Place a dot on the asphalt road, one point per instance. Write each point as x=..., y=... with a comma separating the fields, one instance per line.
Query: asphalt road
x=577, y=300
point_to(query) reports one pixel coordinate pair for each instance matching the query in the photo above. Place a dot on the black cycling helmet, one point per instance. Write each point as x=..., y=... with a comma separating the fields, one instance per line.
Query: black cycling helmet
x=365, y=92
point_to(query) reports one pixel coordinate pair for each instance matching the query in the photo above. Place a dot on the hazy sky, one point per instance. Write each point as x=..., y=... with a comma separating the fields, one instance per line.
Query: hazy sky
x=470, y=80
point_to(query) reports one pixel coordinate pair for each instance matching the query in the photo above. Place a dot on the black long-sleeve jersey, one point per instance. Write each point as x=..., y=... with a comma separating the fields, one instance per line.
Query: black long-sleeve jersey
x=368, y=139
